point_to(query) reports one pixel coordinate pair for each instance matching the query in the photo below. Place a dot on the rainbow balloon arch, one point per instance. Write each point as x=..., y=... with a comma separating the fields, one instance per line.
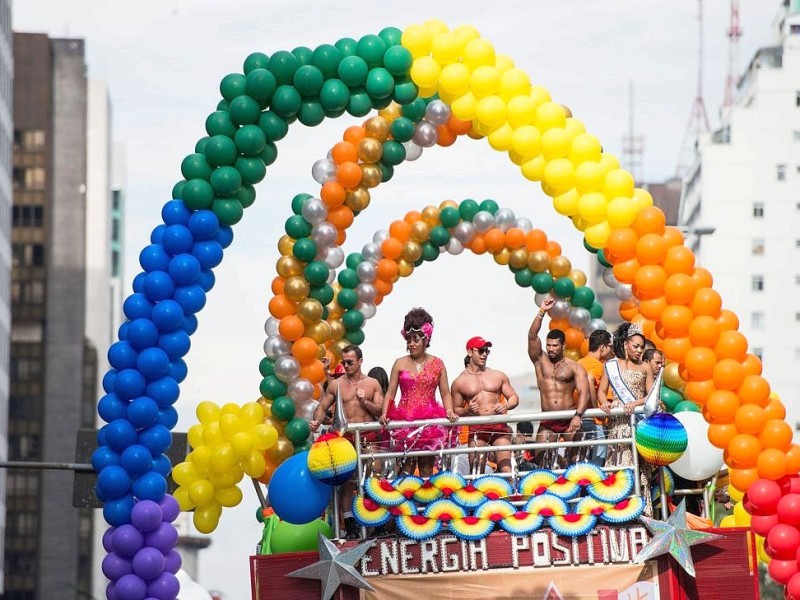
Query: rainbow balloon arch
x=429, y=86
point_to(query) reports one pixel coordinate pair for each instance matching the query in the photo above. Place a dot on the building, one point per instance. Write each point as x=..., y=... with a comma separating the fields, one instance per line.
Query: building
x=53, y=367
x=746, y=184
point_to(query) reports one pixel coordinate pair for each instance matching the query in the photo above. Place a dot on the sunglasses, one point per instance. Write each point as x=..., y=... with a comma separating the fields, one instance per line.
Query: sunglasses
x=482, y=351
x=348, y=362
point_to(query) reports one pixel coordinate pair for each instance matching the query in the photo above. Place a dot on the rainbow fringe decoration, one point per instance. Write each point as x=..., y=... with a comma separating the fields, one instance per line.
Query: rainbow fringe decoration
x=495, y=510
x=494, y=487
x=383, y=492
x=417, y=527
x=536, y=482
x=444, y=510
x=448, y=482
x=546, y=505
x=408, y=485
x=572, y=525
x=469, y=496
x=584, y=474
x=521, y=523
x=427, y=493
x=368, y=513
x=614, y=488
x=624, y=511
x=471, y=528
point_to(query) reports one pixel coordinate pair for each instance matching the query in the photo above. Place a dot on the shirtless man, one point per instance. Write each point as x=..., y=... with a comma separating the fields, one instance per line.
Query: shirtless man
x=362, y=400
x=558, y=378
x=478, y=391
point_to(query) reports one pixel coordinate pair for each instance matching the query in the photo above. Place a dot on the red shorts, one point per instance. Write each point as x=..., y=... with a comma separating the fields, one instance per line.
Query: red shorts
x=489, y=433
x=556, y=425
x=367, y=437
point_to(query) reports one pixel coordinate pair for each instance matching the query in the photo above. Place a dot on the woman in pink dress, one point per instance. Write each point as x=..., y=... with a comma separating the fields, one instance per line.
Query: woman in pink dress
x=418, y=375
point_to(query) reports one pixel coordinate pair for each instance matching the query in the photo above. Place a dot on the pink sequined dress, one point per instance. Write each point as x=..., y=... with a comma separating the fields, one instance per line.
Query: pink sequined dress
x=418, y=401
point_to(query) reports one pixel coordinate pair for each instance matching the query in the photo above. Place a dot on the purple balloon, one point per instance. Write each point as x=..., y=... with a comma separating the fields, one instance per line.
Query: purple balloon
x=169, y=508
x=114, y=566
x=164, y=587
x=148, y=563
x=131, y=587
x=126, y=540
x=164, y=538
x=107, y=539
x=172, y=561
x=111, y=591
x=146, y=516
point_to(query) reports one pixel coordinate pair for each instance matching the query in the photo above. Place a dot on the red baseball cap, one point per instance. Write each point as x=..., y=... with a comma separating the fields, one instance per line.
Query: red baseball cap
x=478, y=342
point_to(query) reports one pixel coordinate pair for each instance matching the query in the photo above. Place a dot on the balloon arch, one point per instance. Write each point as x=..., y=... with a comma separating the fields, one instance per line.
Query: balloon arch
x=430, y=85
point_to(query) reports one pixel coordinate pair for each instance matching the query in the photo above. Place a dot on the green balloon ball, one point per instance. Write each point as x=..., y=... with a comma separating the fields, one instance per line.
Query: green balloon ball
x=244, y=110
x=439, y=236
x=251, y=169
x=405, y=92
x=297, y=227
x=228, y=210
x=271, y=387
x=260, y=514
x=177, y=189
x=398, y=60
x=261, y=84
x=371, y=48
x=195, y=166
x=283, y=65
x=429, y=252
x=468, y=209
x=286, y=101
x=387, y=172
x=222, y=105
x=300, y=448
x=390, y=35
x=297, y=208
x=419, y=262
x=353, y=260
x=356, y=337
x=316, y=272
x=303, y=55
x=601, y=258
x=250, y=140
x=225, y=181
x=402, y=130
x=360, y=104
x=347, y=46
x=200, y=146
x=347, y=298
x=380, y=83
x=273, y=126
x=334, y=95
x=415, y=110
x=589, y=247
x=323, y=293
x=489, y=206
x=353, y=71
x=352, y=320
x=266, y=367
x=671, y=398
x=283, y=408
x=232, y=85
x=308, y=80
x=335, y=114
x=596, y=310
x=305, y=249
x=297, y=430
x=311, y=113
x=564, y=287
x=219, y=123
x=288, y=537
x=256, y=60
x=394, y=153
x=327, y=58
x=686, y=406
x=449, y=216
x=348, y=278
x=269, y=153
x=542, y=283
x=583, y=297
x=197, y=194
x=246, y=195
x=523, y=277
x=220, y=150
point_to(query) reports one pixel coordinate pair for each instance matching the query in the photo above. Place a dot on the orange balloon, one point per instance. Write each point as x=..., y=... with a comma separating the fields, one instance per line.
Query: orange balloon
x=675, y=349
x=562, y=324
x=706, y=302
x=280, y=306
x=776, y=433
x=386, y=269
x=700, y=363
x=341, y=237
x=721, y=407
x=702, y=278
x=343, y=152
x=553, y=248
x=679, y=259
x=775, y=409
x=750, y=418
x=333, y=194
x=649, y=281
x=400, y=230
x=728, y=374
x=673, y=237
x=515, y=238
x=771, y=464
x=721, y=434
x=754, y=390
x=277, y=285
x=392, y=248
x=652, y=309
x=458, y=126
x=704, y=331
x=731, y=344
x=478, y=244
x=384, y=287
x=305, y=350
x=699, y=391
x=742, y=479
x=625, y=271
x=314, y=371
x=676, y=320
x=412, y=217
x=628, y=309
x=574, y=338
x=743, y=451
x=349, y=174
x=535, y=239
x=622, y=243
x=651, y=249
x=495, y=240
x=291, y=327
x=341, y=217
x=446, y=137
x=584, y=349
x=354, y=134
x=679, y=289
x=793, y=459
x=728, y=321
x=751, y=365
x=650, y=219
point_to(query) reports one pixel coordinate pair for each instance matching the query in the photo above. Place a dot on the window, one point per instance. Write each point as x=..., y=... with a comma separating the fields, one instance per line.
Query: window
x=758, y=283
x=794, y=28
x=757, y=319
x=780, y=172
x=758, y=210
x=758, y=247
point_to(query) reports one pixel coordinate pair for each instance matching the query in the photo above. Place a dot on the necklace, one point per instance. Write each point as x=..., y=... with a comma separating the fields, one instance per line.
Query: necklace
x=419, y=365
x=351, y=382
x=555, y=368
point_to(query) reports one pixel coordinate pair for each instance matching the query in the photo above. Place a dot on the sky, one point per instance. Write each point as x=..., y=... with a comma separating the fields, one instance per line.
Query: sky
x=163, y=60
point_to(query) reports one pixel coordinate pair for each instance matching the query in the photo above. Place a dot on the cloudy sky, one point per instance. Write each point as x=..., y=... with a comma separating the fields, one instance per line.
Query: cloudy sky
x=163, y=60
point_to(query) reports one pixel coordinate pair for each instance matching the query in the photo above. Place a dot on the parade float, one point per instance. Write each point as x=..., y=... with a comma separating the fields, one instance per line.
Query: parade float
x=572, y=532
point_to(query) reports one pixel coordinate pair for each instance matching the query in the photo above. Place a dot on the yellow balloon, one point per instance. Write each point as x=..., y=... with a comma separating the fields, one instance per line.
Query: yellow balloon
x=195, y=435
x=734, y=494
x=454, y=79
x=465, y=34
x=589, y=177
x=533, y=170
x=182, y=496
x=230, y=408
x=514, y=82
x=222, y=480
x=229, y=496
x=404, y=268
x=555, y=143
x=254, y=464
x=559, y=174
x=420, y=231
x=526, y=140
x=465, y=107
x=521, y=110
x=242, y=443
x=574, y=127
x=642, y=198
x=436, y=26
x=539, y=94
x=446, y=48
x=207, y=412
x=728, y=521
x=201, y=492
x=288, y=266
x=309, y=310
x=560, y=266
x=618, y=182
x=222, y=459
x=201, y=457
x=370, y=149
x=585, y=148
x=251, y=414
x=609, y=162
x=741, y=515
x=417, y=39
x=491, y=111
x=379, y=129
x=502, y=257
x=578, y=277
x=538, y=261
x=517, y=158
x=185, y=473
x=549, y=115
x=592, y=207
x=285, y=245
x=205, y=520
x=230, y=425
x=212, y=436
x=621, y=212
x=518, y=258
x=500, y=139
x=503, y=63
x=567, y=203
x=425, y=72
x=296, y=288
x=478, y=53
x=760, y=551
x=264, y=436
x=412, y=251
x=597, y=235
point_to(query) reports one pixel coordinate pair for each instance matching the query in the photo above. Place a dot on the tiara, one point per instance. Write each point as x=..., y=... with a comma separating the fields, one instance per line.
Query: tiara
x=634, y=329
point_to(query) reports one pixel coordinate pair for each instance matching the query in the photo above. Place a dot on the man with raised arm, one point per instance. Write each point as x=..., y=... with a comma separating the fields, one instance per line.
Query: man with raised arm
x=481, y=391
x=558, y=378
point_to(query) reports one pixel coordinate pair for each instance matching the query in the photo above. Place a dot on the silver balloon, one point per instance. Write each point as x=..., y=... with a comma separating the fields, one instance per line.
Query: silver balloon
x=413, y=151
x=579, y=317
x=624, y=291
x=366, y=272
x=287, y=368
x=438, y=113
x=331, y=276
x=594, y=325
x=333, y=257
x=379, y=236
x=366, y=292
x=300, y=390
x=454, y=246
x=560, y=309
x=483, y=221
x=366, y=309
x=306, y=410
x=504, y=219
x=372, y=252
x=271, y=326
x=425, y=135
x=442, y=249
x=539, y=298
x=324, y=170
x=464, y=232
x=523, y=223
x=314, y=210
x=276, y=346
x=324, y=234
x=609, y=279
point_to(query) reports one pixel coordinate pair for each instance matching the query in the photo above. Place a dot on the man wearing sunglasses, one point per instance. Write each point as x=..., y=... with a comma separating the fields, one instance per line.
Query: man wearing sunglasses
x=481, y=391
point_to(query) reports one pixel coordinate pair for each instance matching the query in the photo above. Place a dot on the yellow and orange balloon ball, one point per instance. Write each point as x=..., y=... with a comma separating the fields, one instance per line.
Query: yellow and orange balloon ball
x=332, y=459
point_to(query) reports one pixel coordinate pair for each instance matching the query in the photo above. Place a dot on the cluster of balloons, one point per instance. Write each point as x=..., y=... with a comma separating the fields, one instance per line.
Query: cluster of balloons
x=142, y=560
x=228, y=443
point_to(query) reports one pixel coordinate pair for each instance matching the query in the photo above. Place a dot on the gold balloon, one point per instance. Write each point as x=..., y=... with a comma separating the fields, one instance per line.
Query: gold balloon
x=672, y=377
x=378, y=128
x=296, y=288
x=560, y=266
x=448, y=203
x=322, y=351
x=339, y=345
x=371, y=175
x=567, y=110
x=288, y=266
x=578, y=277
x=538, y=261
x=430, y=214
x=412, y=251
x=503, y=257
x=357, y=198
x=334, y=311
x=420, y=232
x=285, y=245
x=282, y=450
x=266, y=405
x=370, y=150
x=518, y=258
x=319, y=332
x=273, y=422
x=337, y=329
x=391, y=112
x=572, y=354
x=309, y=310
x=404, y=268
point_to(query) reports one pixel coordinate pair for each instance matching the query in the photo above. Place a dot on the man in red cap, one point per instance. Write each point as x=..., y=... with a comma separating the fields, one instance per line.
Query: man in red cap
x=479, y=391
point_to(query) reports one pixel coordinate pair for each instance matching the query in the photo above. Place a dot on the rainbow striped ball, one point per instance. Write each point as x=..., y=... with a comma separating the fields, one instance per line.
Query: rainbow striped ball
x=332, y=459
x=661, y=439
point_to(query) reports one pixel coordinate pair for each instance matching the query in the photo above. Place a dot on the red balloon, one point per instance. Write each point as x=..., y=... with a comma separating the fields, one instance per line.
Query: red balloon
x=761, y=524
x=784, y=540
x=782, y=570
x=793, y=588
x=763, y=496
x=789, y=509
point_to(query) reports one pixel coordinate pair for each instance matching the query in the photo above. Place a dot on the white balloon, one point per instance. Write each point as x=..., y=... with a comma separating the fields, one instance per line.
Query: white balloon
x=314, y=210
x=523, y=223
x=464, y=232
x=624, y=291
x=454, y=246
x=437, y=112
x=539, y=298
x=425, y=135
x=483, y=221
x=331, y=276
x=413, y=151
x=276, y=346
x=324, y=234
x=287, y=368
x=300, y=390
x=579, y=317
x=379, y=236
x=366, y=309
x=271, y=326
x=701, y=460
x=324, y=170
x=560, y=309
x=333, y=257
x=366, y=292
x=306, y=409
x=366, y=272
x=372, y=252
x=594, y=325
x=504, y=219
x=609, y=279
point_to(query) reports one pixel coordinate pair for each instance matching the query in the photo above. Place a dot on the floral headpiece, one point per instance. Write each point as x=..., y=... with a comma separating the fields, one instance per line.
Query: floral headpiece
x=426, y=330
x=634, y=329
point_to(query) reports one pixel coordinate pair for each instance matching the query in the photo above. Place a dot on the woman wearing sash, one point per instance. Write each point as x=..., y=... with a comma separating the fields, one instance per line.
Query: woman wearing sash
x=629, y=379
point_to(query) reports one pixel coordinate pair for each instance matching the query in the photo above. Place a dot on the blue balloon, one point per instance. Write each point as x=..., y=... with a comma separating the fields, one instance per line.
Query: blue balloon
x=121, y=355
x=150, y=486
x=168, y=417
x=189, y=324
x=295, y=494
x=138, y=283
x=204, y=224
x=161, y=464
x=111, y=408
x=153, y=363
x=129, y=384
x=136, y=460
x=142, y=333
x=156, y=439
x=118, y=511
x=175, y=212
x=184, y=269
x=122, y=332
x=224, y=236
x=178, y=370
x=164, y=391
x=137, y=306
x=167, y=315
x=120, y=434
x=104, y=457
x=207, y=280
x=108, y=381
x=102, y=435
x=192, y=298
x=158, y=285
x=157, y=234
x=175, y=344
x=177, y=239
x=209, y=253
x=143, y=412
x=112, y=482
x=154, y=258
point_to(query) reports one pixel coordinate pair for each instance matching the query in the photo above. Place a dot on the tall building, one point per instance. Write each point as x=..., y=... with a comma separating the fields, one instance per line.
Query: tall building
x=53, y=367
x=746, y=183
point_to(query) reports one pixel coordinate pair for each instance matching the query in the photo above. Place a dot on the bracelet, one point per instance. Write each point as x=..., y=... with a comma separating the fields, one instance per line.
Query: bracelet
x=541, y=314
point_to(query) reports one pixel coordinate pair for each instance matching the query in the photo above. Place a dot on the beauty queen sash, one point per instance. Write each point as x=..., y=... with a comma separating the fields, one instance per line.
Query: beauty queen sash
x=617, y=383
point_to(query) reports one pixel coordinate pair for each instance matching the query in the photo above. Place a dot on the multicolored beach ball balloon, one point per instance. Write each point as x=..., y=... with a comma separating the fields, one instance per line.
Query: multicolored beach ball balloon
x=332, y=459
x=661, y=439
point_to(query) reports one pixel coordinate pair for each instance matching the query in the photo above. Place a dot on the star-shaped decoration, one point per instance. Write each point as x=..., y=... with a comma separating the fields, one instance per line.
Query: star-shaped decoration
x=335, y=567
x=674, y=537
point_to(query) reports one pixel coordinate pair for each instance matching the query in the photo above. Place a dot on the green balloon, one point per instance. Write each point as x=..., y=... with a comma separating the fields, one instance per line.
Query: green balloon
x=197, y=194
x=316, y=272
x=177, y=189
x=225, y=181
x=405, y=92
x=564, y=287
x=228, y=210
x=250, y=140
x=353, y=260
x=244, y=110
x=429, y=252
x=283, y=65
x=468, y=209
x=232, y=85
x=335, y=114
x=297, y=430
x=596, y=310
x=222, y=105
x=542, y=283
x=266, y=367
x=311, y=113
x=283, y=408
x=261, y=85
x=387, y=172
x=220, y=150
x=327, y=58
x=269, y=153
x=347, y=298
x=273, y=126
x=260, y=514
x=256, y=60
x=390, y=35
x=297, y=205
x=583, y=297
x=323, y=293
x=380, y=83
x=356, y=337
x=686, y=406
x=371, y=48
x=671, y=398
x=286, y=101
x=251, y=169
x=297, y=227
x=360, y=104
x=308, y=80
x=347, y=46
x=589, y=247
x=195, y=166
x=305, y=249
x=288, y=537
x=271, y=387
x=300, y=448
x=219, y=123
x=439, y=235
x=200, y=146
x=398, y=60
x=402, y=129
x=489, y=206
x=353, y=71
x=334, y=95
x=352, y=320
x=394, y=153
x=601, y=258
x=449, y=216
x=303, y=55
x=348, y=278
x=523, y=277
x=415, y=110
